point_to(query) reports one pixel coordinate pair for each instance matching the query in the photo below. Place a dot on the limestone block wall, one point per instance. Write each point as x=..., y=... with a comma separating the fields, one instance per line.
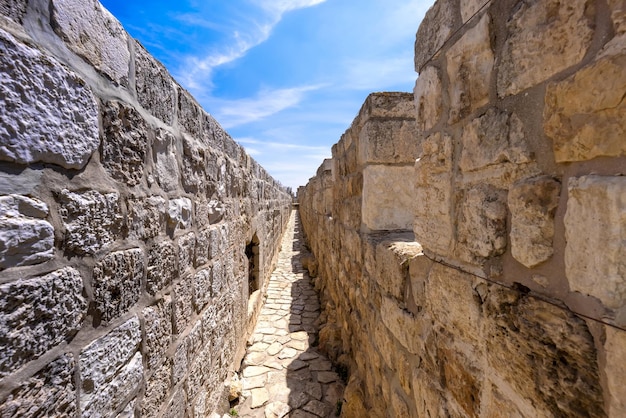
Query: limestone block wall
x=125, y=211
x=505, y=296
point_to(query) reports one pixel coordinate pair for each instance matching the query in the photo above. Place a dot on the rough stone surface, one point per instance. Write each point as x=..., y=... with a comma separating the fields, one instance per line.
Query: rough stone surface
x=162, y=266
x=117, y=282
x=189, y=114
x=201, y=289
x=157, y=388
x=438, y=25
x=183, y=309
x=165, y=163
x=37, y=314
x=615, y=371
x=92, y=220
x=37, y=88
x=533, y=204
x=50, y=392
x=470, y=62
x=585, y=119
x=13, y=9
x=494, y=138
x=94, y=34
x=388, y=141
x=428, y=98
x=110, y=369
x=469, y=8
x=618, y=14
x=25, y=236
x=146, y=217
x=179, y=213
x=595, y=256
x=155, y=89
x=544, y=39
x=387, y=198
x=125, y=142
x=158, y=331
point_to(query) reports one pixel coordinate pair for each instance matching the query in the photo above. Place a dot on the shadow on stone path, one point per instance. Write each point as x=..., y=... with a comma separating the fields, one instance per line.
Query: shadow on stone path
x=283, y=374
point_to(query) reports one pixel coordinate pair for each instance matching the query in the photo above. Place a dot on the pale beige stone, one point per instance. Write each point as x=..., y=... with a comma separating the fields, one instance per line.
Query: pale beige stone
x=618, y=14
x=615, y=371
x=259, y=397
x=387, y=197
x=545, y=37
x=470, y=62
x=432, y=224
x=392, y=265
x=584, y=114
x=437, y=26
x=388, y=141
x=469, y=8
x=428, y=98
x=533, y=204
x=595, y=229
x=403, y=325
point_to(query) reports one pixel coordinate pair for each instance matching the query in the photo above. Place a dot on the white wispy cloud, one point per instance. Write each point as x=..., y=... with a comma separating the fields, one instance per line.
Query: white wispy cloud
x=267, y=102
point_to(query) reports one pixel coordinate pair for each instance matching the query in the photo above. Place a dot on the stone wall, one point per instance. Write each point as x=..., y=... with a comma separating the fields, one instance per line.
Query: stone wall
x=125, y=212
x=505, y=294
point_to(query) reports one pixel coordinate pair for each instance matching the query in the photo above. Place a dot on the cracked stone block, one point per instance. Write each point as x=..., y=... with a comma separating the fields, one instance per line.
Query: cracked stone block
x=533, y=204
x=481, y=226
x=428, y=98
x=544, y=39
x=157, y=389
x=584, y=114
x=201, y=289
x=109, y=377
x=95, y=34
x=37, y=314
x=158, y=331
x=595, y=229
x=146, y=217
x=125, y=142
x=437, y=26
x=49, y=114
x=50, y=392
x=92, y=220
x=186, y=250
x=165, y=161
x=179, y=213
x=13, y=9
x=491, y=139
x=162, y=267
x=26, y=238
x=117, y=282
x=155, y=88
x=470, y=61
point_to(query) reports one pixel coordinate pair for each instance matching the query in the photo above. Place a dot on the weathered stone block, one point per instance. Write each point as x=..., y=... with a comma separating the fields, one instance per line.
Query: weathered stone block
x=25, y=236
x=388, y=141
x=117, y=282
x=392, y=265
x=470, y=62
x=595, y=227
x=463, y=381
x=544, y=352
x=195, y=162
x=481, y=226
x=491, y=139
x=469, y=8
x=615, y=371
x=37, y=314
x=438, y=24
x=203, y=247
x=125, y=142
x=533, y=203
x=199, y=372
x=50, y=392
x=584, y=114
x=406, y=327
x=37, y=88
x=155, y=89
x=183, y=309
x=110, y=369
x=162, y=266
x=94, y=34
x=618, y=14
x=186, y=249
x=180, y=363
x=176, y=406
x=189, y=114
x=388, y=198
x=179, y=213
x=158, y=331
x=146, y=217
x=129, y=410
x=433, y=223
x=13, y=9
x=165, y=162
x=157, y=389
x=428, y=98
x=201, y=289
x=544, y=38
x=92, y=220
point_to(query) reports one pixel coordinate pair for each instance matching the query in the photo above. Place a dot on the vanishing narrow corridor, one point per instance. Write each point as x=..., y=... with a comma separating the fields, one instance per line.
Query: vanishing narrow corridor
x=283, y=374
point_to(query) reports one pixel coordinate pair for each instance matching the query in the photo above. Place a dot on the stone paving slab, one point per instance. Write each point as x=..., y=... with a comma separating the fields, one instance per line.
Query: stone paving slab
x=283, y=374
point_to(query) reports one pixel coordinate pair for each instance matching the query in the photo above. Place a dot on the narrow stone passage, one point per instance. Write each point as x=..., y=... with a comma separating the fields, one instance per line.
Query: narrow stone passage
x=283, y=374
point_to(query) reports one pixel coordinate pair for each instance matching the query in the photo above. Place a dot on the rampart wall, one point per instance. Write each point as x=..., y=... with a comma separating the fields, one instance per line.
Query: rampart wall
x=129, y=221
x=470, y=237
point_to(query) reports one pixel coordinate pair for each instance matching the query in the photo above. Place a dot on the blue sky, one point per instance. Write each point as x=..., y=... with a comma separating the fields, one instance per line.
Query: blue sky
x=285, y=78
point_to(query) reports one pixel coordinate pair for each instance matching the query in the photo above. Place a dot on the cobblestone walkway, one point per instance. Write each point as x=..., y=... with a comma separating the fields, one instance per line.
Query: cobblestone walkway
x=283, y=374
